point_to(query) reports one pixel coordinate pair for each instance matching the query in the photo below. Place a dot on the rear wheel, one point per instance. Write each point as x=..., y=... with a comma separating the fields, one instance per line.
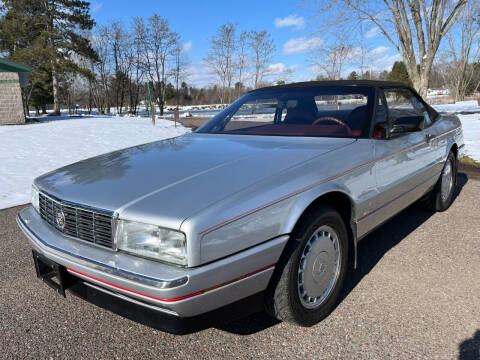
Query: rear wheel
x=440, y=198
x=310, y=275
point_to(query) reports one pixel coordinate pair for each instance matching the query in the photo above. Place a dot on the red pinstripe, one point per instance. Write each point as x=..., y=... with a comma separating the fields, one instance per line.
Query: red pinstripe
x=260, y=207
x=173, y=299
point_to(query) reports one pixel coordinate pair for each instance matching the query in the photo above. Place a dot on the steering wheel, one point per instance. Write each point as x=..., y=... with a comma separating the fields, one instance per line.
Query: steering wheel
x=335, y=120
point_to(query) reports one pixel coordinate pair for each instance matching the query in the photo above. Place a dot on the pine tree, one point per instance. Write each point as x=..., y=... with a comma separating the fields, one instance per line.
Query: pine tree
x=353, y=76
x=44, y=34
x=18, y=32
x=399, y=73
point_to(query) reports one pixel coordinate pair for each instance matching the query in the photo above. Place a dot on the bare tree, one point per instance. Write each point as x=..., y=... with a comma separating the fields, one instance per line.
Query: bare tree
x=362, y=55
x=220, y=57
x=159, y=46
x=122, y=62
x=414, y=27
x=179, y=69
x=464, y=51
x=263, y=48
x=242, y=59
x=139, y=36
x=102, y=69
x=331, y=58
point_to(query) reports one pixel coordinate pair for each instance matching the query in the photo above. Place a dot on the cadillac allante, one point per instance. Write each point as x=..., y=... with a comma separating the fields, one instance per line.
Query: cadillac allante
x=261, y=208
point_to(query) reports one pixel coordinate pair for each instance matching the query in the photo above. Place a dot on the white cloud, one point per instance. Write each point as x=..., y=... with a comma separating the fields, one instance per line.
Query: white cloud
x=95, y=8
x=279, y=68
x=186, y=47
x=301, y=44
x=378, y=50
x=373, y=32
x=314, y=70
x=385, y=62
x=200, y=75
x=291, y=20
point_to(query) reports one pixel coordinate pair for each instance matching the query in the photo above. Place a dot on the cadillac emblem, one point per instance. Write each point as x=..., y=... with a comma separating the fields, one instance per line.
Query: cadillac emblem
x=60, y=220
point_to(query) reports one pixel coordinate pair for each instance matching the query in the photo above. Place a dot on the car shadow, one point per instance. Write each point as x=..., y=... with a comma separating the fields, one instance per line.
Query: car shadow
x=373, y=247
x=469, y=349
x=369, y=252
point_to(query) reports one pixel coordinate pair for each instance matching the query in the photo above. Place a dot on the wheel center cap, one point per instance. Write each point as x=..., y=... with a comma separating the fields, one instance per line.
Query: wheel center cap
x=319, y=266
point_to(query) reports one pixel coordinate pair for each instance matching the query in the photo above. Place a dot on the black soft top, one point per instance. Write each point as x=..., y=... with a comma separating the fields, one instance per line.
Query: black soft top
x=372, y=83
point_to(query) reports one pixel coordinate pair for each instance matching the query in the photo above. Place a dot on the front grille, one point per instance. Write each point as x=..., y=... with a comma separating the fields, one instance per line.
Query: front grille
x=94, y=226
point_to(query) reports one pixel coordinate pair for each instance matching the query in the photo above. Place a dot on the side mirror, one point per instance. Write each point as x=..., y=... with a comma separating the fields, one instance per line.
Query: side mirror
x=408, y=124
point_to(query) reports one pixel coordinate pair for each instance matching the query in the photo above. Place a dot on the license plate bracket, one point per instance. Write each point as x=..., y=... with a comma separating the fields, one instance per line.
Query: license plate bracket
x=49, y=271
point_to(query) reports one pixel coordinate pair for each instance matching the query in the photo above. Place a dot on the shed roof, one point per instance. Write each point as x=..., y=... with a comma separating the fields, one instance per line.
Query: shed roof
x=10, y=66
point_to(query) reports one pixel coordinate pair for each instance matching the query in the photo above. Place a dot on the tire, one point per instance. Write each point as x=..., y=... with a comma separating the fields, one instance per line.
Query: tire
x=320, y=263
x=441, y=197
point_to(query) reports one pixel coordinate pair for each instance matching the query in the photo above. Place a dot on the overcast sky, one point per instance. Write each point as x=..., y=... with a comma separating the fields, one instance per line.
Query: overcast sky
x=291, y=24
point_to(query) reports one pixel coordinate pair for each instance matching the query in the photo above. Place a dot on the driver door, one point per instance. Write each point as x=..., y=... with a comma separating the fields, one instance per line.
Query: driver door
x=404, y=158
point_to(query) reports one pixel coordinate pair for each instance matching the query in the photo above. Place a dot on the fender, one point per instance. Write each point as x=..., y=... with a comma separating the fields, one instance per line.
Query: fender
x=307, y=199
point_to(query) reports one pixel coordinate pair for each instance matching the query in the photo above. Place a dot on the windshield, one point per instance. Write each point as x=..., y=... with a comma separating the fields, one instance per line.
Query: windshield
x=322, y=111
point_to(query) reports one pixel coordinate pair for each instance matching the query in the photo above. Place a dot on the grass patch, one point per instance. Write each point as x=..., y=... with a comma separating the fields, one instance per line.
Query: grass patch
x=467, y=160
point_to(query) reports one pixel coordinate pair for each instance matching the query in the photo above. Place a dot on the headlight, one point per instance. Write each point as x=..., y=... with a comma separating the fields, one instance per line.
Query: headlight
x=35, y=199
x=152, y=241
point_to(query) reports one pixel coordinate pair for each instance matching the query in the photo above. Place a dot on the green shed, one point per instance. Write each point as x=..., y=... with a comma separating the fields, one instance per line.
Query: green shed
x=13, y=77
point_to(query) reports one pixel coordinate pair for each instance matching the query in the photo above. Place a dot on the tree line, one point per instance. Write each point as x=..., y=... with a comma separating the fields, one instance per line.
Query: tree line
x=123, y=66
x=134, y=61
x=108, y=66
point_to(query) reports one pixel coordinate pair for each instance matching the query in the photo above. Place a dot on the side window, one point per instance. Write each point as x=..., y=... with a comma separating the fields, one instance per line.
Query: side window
x=253, y=113
x=345, y=103
x=402, y=104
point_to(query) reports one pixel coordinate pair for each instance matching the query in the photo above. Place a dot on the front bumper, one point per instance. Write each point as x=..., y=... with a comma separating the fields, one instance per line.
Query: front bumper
x=179, y=292
x=57, y=277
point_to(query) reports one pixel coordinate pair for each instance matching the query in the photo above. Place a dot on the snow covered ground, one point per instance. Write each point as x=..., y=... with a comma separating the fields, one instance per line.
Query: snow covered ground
x=27, y=151
x=471, y=135
x=460, y=106
x=470, y=124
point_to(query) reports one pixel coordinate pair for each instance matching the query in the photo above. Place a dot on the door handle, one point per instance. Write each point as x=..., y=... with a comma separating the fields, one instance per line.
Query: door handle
x=429, y=137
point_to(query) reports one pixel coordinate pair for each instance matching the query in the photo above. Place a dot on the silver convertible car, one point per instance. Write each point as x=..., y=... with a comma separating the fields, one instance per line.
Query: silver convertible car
x=261, y=208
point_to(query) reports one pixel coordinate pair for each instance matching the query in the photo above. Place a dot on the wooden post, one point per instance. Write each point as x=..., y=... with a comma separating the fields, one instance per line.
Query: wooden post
x=153, y=114
x=176, y=116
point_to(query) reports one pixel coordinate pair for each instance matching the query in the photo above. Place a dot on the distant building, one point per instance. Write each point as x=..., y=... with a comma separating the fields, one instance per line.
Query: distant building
x=12, y=77
x=437, y=92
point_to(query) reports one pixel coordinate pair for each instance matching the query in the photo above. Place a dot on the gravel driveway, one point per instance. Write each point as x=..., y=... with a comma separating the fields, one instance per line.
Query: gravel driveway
x=416, y=295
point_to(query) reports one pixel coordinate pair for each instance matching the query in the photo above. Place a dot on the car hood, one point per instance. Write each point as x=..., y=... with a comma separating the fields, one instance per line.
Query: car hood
x=167, y=181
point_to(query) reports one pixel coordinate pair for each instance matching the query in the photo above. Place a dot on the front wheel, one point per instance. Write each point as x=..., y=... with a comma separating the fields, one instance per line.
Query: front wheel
x=310, y=275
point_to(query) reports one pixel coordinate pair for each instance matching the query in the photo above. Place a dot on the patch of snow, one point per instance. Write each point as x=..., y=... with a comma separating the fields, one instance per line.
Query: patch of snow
x=459, y=106
x=198, y=107
x=195, y=110
x=471, y=135
x=27, y=151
